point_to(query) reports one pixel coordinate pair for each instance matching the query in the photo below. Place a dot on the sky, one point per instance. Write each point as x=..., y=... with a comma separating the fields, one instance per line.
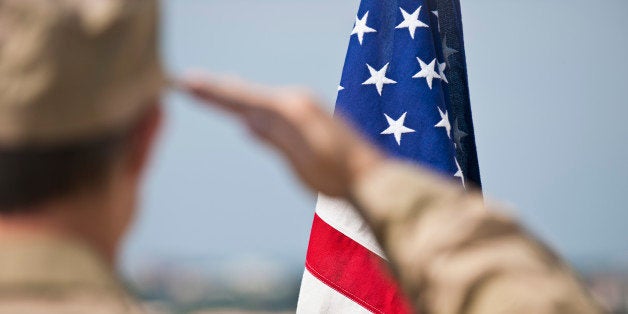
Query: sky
x=547, y=82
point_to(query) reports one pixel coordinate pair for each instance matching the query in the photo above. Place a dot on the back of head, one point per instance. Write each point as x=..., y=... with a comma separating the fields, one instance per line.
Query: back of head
x=75, y=76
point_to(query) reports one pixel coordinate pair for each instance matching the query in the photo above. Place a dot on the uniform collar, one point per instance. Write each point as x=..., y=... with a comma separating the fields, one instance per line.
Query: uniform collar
x=47, y=262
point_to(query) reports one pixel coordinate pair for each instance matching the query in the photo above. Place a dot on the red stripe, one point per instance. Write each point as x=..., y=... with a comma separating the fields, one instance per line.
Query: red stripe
x=353, y=270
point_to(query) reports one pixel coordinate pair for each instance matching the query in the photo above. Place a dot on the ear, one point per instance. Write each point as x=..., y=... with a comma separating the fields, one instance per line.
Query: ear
x=142, y=139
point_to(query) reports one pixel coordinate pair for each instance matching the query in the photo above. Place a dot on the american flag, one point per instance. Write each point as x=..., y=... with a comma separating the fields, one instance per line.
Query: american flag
x=404, y=85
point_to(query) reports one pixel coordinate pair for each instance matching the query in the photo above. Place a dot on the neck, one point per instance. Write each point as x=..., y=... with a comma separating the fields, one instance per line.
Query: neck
x=82, y=217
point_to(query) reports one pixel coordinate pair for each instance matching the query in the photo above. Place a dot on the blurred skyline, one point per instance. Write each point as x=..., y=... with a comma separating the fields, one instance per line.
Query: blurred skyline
x=546, y=79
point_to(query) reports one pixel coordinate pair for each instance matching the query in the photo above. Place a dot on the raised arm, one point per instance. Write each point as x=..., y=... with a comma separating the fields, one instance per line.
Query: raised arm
x=451, y=254
x=448, y=251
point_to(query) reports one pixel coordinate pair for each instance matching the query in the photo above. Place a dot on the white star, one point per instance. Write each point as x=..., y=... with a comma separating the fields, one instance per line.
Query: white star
x=340, y=88
x=441, y=71
x=427, y=71
x=360, y=27
x=397, y=128
x=447, y=51
x=378, y=78
x=444, y=122
x=458, y=135
x=411, y=21
x=437, y=19
x=460, y=174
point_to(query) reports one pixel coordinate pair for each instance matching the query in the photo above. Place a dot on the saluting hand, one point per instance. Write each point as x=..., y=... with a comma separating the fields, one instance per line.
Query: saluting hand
x=326, y=154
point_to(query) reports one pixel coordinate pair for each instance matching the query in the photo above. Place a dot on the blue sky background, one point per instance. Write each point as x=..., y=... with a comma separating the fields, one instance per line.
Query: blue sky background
x=548, y=86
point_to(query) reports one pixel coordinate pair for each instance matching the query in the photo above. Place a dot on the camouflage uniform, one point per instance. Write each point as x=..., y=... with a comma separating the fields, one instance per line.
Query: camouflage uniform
x=452, y=254
x=41, y=275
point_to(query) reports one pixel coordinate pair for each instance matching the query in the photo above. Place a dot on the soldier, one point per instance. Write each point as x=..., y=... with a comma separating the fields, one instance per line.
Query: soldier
x=79, y=93
x=448, y=251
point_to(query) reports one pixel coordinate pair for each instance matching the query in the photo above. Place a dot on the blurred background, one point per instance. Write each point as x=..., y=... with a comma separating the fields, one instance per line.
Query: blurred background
x=224, y=225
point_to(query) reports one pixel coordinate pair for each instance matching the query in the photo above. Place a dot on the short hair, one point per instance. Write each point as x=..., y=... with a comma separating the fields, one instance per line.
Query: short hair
x=31, y=175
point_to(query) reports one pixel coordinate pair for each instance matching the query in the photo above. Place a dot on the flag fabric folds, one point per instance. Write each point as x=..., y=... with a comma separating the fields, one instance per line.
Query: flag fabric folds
x=404, y=86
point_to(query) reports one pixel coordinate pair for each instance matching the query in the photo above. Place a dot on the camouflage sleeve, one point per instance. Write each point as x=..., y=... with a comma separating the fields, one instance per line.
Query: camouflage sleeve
x=453, y=255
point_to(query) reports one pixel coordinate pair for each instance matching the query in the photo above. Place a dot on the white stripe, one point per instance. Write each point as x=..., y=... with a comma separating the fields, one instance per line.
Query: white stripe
x=343, y=217
x=316, y=297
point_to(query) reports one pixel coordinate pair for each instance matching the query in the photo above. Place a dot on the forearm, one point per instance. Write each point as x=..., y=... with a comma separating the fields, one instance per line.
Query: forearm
x=452, y=255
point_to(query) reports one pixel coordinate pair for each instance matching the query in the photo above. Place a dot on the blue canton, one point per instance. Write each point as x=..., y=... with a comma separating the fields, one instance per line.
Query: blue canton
x=404, y=84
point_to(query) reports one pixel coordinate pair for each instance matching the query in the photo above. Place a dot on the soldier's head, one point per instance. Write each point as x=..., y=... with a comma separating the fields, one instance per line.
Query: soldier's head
x=80, y=82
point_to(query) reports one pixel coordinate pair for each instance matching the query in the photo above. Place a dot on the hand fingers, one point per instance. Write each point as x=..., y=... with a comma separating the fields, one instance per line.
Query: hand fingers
x=282, y=117
x=231, y=94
